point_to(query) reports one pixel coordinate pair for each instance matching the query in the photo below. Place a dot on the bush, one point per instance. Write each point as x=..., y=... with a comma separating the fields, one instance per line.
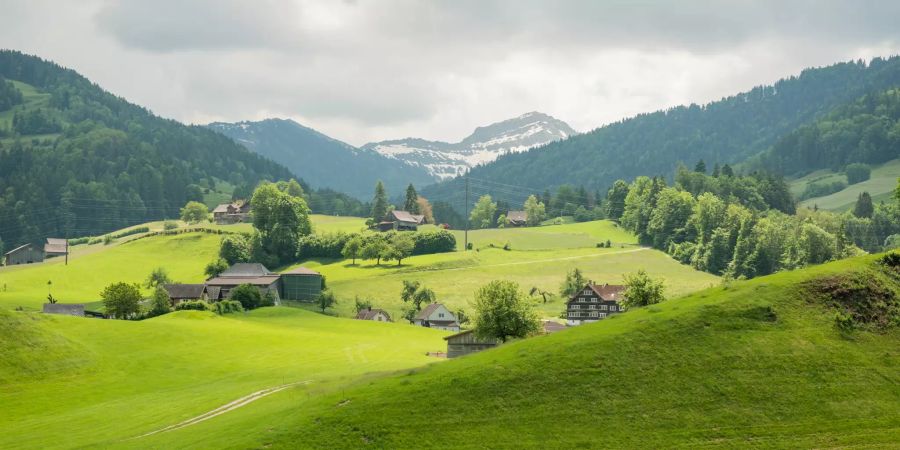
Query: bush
x=857, y=173
x=248, y=295
x=169, y=225
x=132, y=231
x=227, y=307
x=108, y=239
x=79, y=241
x=822, y=189
x=192, y=306
x=428, y=242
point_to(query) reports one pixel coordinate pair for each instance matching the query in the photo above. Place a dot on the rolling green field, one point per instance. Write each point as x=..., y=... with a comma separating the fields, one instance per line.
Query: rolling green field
x=540, y=257
x=760, y=364
x=70, y=382
x=881, y=186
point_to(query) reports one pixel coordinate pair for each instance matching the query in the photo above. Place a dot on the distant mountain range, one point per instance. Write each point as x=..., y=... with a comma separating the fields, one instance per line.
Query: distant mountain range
x=445, y=160
x=327, y=162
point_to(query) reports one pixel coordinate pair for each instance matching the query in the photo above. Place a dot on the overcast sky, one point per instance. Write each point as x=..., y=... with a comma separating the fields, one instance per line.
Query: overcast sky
x=362, y=71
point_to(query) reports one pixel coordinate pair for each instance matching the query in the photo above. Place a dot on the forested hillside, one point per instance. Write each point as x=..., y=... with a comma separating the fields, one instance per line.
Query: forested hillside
x=321, y=160
x=864, y=131
x=75, y=159
x=726, y=131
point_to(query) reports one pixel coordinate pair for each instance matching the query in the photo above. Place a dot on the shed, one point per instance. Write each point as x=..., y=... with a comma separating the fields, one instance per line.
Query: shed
x=73, y=309
x=517, y=218
x=377, y=315
x=24, y=254
x=466, y=342
x=56, y=247
x=301, y=284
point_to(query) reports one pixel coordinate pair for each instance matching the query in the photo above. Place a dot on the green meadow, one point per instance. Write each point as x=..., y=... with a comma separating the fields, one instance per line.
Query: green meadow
x=880, y=186
x=756, y=364
x=72, y=382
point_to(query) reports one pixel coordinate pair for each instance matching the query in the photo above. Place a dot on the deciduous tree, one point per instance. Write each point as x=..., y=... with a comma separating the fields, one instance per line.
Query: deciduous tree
x=194, y=212
x=642, y=290
x=503, y=312
x=121, y=300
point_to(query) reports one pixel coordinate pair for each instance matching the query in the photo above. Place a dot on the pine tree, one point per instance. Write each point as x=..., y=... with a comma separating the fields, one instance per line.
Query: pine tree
x=727, y=171
x=379, y=203
x=864, y=207
x=412, y=200
x=700, y=167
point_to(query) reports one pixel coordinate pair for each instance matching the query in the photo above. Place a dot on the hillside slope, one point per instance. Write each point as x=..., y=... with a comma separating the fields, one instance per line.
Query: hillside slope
x=446, y=160
x=725, y=131
x=760, y=363
x=77, y=160
x=321, y=160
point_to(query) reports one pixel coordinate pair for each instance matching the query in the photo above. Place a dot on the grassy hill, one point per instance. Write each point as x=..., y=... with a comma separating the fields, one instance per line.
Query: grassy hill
x=760, y=364
x=72, y=382
x=539, y=257
x=881, y=187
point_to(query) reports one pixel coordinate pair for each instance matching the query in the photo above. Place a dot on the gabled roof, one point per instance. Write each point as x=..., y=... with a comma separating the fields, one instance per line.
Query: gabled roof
x=260, y=281
x=516, y=216
x=56, y=241
x=182, y=291
x=443, y=323
x=300, y=271
x=369, y=314
x=246, y=270
x=424, y=313
x=608, y=292
x=55, y=245
x=404, y=216
x=21, y=247
x=223, y=208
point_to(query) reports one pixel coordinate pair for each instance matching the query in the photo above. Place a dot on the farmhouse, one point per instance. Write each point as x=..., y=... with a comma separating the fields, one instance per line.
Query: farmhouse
x=594, y=302
x=56, y=247
x=437, y=316
x=466, y=342
x=517, y=218
x=401, y=221
x=75, y=309
x=233, y=212
x=246, y=273
x=185, y=293
x=378, y=315
x=24, y=254
x=301, y=284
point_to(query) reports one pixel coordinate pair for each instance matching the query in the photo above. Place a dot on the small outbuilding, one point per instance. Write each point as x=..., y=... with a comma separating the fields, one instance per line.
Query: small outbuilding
x=185, y=293
x=401, y=221
x=72, y=309
x=378, y=315
x=517, y=218
x=56, y=247
x=301, y=284
x=24, y=254
x=228, y=213
x=467, y=342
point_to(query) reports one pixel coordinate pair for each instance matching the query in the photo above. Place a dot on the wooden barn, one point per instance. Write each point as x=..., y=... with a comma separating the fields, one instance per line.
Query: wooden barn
x=24, y=254
x=466, y=342
x=185, y=293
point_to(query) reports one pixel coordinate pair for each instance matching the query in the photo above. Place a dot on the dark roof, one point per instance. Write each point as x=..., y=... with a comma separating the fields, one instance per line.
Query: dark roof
x=369, y=314
x=182, y=291
x=405, y=216
x=423, y=314
x=608, y=292
x=246, y=270
x=264, y=280
x=516, y=216
x=21, y=247
x=300, y=271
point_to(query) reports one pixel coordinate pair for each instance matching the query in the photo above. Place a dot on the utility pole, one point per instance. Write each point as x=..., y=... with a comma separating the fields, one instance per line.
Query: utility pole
x=467, y=213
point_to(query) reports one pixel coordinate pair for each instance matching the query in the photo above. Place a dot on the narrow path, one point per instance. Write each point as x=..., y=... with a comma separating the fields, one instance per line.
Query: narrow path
x=243, y=401
x=535, y=261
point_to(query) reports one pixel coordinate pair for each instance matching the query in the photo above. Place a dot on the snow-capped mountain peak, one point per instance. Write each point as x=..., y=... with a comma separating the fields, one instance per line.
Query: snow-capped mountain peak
x=485, y=144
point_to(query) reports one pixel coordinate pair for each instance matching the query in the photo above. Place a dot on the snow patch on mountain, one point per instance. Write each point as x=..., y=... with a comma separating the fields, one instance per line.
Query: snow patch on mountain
x=445, y=160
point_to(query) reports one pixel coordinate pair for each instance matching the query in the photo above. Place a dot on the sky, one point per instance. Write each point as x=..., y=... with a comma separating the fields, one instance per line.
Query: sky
x=363, y=71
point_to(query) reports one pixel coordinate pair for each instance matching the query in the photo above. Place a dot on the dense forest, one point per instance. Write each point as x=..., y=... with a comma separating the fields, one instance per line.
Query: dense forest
x=726, y=131
x=80, y=160
x=864, y=131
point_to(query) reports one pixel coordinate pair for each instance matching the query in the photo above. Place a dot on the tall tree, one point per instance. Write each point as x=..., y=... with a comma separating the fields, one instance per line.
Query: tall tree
x=352, y=248
x=412, y=200
x=535, y=211
x=121, y=300
x=642, y=290
x=615, y=199
x=425, y=209
x=503, y=312
x=281, y=219
x=379, y=203
x=194, y=212
x=482, y=215
x=864, y=207
x=700, y=167
x=574, y=281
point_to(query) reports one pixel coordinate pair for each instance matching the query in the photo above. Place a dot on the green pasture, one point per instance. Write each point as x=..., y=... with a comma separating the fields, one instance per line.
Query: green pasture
x=72, y=382
x=880, y=187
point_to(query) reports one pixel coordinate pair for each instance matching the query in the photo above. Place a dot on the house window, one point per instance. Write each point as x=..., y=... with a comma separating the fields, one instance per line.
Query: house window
x=593, y=299
x=587, y=292
x=602, y=315
x=593, y=313
x=603, y=307
x=576, y=306
x=440, y=314
x=593, y=306
x=612, y=307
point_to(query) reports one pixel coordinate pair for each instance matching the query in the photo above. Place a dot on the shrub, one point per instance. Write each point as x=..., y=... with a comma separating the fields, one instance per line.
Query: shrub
x=507, y=246
x=108, y=239
x=192, y=306
x=248, y=295
x=79, y=241
x=428, y=242
x=857, y=173
x=132, y=231
x=227, y=307
x=169, y=225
